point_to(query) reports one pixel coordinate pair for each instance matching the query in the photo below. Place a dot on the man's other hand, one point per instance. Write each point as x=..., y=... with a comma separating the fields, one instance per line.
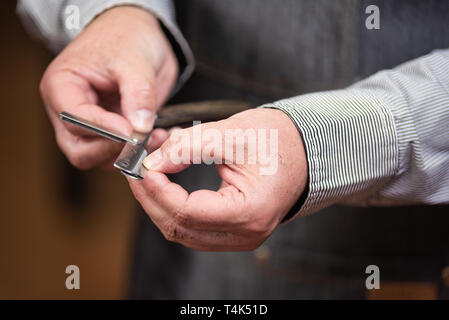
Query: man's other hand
x=116, y=73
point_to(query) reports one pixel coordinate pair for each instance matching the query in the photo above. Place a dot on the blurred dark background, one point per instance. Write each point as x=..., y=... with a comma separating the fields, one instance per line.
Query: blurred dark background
x=51, y=215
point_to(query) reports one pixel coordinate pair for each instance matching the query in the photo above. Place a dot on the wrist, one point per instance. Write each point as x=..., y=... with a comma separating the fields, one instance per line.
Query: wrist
x=128, y=12
x=298, y=176
x=292, y=168
x=350, y=140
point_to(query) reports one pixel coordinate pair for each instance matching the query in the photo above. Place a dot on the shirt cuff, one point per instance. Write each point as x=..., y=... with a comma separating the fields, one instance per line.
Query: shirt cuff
x=165, y=13
x=350, y=141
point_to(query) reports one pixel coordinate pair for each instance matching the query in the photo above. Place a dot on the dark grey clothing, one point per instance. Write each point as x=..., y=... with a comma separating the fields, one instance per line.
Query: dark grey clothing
x=260, y=51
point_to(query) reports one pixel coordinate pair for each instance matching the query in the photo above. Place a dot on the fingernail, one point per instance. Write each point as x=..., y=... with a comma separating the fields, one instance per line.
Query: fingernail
x=152, y=161
x=142, y=120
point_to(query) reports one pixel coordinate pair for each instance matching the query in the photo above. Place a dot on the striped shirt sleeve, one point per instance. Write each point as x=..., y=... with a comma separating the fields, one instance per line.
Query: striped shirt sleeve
x=45, y=19
x=381, y=141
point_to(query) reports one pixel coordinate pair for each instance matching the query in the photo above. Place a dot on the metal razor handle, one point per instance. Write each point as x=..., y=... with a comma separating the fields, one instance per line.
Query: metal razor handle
x=129, y=162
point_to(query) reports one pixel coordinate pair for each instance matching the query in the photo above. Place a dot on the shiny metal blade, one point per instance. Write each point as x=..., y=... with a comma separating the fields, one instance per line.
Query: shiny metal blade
x=131, y=157
x=86, y=124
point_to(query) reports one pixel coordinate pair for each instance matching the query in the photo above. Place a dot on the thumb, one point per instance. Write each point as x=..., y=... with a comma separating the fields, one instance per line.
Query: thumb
x=138, y=96
x=177, y=153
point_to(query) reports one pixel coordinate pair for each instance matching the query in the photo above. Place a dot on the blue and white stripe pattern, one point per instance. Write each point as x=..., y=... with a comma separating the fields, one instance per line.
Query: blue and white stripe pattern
x=382, y=141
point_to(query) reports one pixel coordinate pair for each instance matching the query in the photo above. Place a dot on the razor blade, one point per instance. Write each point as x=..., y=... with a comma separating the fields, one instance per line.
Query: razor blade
x=129, y=162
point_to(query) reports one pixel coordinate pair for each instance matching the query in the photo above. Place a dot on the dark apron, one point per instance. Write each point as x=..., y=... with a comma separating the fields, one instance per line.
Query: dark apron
x=263, y=50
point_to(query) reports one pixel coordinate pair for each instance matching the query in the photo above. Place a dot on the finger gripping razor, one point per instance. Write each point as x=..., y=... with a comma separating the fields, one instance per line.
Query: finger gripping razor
x=129, y=162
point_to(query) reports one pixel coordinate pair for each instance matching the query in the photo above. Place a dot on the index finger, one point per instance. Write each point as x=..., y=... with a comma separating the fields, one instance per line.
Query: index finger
x=68, y=92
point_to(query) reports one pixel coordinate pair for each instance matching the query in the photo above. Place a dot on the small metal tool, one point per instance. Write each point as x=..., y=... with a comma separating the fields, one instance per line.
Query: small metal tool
x=131, y=157
x=134, y=152
x=86, y=124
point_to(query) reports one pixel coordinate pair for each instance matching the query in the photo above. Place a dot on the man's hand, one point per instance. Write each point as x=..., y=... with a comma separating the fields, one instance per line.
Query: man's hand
x=116, y=73
x=252, y=200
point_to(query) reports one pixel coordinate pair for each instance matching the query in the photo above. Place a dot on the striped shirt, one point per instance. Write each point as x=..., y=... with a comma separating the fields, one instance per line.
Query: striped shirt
x=381, y=141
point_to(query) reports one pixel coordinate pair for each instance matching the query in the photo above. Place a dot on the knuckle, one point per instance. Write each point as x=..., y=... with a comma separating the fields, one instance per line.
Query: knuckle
x=168, y=147
x=178, y=139
x=140, y=84
x=171, y=232
x=145, y=83
x=181, y=217
x=260, y=228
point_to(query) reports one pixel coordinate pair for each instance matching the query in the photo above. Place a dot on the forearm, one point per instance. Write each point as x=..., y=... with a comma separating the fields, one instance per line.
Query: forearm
x=384, y=140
